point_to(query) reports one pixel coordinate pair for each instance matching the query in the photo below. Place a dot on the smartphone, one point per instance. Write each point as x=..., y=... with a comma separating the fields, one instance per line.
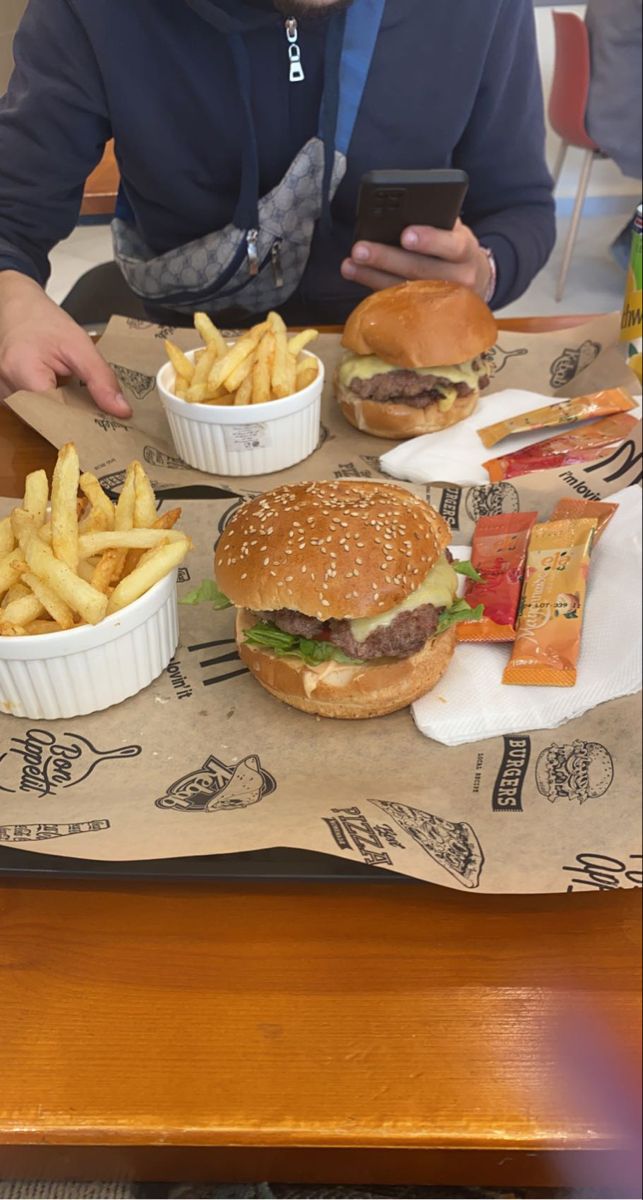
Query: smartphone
x=389, y=201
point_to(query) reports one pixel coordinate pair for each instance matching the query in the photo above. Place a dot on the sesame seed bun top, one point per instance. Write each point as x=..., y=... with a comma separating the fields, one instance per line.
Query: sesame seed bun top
x=343, y=549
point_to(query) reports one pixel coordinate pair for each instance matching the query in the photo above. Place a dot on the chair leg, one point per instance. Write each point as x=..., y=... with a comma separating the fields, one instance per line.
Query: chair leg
x=560, y=162
x=583, y=185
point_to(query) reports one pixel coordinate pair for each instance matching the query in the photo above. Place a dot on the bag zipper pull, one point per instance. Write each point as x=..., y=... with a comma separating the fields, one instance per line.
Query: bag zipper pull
x=253, y=256
x=294, y=51
x=277, y=271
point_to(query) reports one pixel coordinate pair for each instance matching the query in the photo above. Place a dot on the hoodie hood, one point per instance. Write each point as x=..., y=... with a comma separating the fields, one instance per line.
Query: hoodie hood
x=236, y=16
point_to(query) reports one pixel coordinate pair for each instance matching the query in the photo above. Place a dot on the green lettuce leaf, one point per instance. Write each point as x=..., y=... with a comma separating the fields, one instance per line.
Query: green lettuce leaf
x=459, y=611
x=468, y=569
x=207, y=592
x=266, y=635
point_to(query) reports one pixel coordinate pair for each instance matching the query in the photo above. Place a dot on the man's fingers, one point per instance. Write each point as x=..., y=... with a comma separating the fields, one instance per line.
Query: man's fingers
x=84, y=359
x=375, y=280
x=409, y=267
x=453, y=245
x=31, y=377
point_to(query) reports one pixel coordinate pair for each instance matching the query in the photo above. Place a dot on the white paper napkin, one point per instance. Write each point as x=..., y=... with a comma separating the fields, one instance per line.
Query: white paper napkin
x=471, y=703
x=456, y=455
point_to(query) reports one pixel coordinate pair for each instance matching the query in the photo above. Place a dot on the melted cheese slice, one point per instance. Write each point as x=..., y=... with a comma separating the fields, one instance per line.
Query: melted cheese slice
x=439, y=588
x=366, y=366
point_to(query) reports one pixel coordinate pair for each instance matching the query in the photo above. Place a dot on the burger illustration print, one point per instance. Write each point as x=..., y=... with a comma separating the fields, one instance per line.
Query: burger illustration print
x=579, y=771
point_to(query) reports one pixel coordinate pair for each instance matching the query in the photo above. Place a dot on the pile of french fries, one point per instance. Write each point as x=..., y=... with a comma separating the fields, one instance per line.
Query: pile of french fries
x=73, y=557
x=263, y=365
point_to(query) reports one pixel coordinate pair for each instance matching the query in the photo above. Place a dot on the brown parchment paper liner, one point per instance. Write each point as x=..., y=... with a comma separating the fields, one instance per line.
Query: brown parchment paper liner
x=568, y=363
x=204, y=761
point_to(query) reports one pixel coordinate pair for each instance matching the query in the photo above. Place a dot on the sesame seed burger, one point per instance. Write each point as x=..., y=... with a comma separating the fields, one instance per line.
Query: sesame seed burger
x=419, y=358
x=346, y=595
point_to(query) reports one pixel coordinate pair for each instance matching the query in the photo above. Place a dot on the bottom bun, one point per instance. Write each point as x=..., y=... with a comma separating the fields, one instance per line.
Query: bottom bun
x=398, y=421
x=344, y=691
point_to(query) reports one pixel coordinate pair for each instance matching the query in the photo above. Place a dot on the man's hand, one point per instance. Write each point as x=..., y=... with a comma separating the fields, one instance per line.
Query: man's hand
x=427, y=253
x=39, y=343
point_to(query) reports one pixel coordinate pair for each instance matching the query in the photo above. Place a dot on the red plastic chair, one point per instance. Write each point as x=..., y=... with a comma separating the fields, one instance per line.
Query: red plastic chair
x=567, y=108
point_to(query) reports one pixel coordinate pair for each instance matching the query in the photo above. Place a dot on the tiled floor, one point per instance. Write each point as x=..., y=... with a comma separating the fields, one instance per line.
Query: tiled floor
x=595, y=283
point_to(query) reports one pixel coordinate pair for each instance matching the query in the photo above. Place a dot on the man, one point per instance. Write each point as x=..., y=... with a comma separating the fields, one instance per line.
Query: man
x=256, y=119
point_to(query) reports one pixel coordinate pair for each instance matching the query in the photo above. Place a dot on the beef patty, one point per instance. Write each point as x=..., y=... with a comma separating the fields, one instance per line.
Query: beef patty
x=407, y=387
x=405, y=635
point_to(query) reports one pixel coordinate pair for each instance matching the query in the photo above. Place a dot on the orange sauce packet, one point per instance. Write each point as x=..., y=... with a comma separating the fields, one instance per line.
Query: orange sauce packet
x=499, y=555
x=565, y=412
x=576, y=510
x=588, y=444
x=552, y=608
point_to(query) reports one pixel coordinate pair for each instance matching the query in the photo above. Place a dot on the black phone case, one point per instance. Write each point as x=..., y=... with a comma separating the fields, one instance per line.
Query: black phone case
x=389, y=201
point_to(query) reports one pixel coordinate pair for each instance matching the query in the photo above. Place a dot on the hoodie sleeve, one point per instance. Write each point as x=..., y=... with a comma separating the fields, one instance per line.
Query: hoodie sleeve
x=53, y=129
x=510, y=206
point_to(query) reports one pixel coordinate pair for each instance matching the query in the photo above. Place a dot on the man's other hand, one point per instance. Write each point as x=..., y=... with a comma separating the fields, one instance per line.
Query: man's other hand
x=39, y=343
x=427, y=253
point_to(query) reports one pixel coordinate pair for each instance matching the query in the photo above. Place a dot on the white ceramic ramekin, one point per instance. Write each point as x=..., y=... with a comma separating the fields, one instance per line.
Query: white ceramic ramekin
x=255, y=439
x=85, y=670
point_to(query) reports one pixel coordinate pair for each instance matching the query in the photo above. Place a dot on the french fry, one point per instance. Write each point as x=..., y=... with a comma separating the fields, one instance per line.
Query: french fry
x=181, y=388
x=64, y=514
x=36, y=495
x=64, y=519
x=261, y=372
x=22, y=612
x=9, y=630
x=106, y=571
x=92, y=490
x=301, y=340
x=276, y=323
x=17, y=592
x=44, y=533
x=209, y=333
x=144, y=499
x=11, y=568
x=168, y=520
x=243, y=395
x=38, y=628
x=86, y=570
x=7, y=537
x=223, y=399
x=95, y=521
x=180, y=361
x=148, y=573
x=307, y=372
x=284, y=371
x=124, y=515
x=201, y=393
x=229, y=363
x=205, y=364
x=79, y=595
x=129, y=539
x=50, y=601
x=241, y=374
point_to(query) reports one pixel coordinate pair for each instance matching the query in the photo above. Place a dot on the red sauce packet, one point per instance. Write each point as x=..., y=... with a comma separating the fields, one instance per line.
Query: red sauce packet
x=564, y=412
x=498, y=554
x=552, y=609
x=588, y=444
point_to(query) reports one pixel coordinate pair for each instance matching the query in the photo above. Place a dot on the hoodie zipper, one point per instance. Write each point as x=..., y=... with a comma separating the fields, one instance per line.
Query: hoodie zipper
x=294, y=51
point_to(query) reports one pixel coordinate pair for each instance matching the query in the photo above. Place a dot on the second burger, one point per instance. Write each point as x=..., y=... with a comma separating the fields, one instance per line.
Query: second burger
x=419, y=359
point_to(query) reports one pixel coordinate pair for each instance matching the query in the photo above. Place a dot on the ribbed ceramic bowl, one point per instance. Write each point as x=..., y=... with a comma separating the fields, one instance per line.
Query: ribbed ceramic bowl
x=85, y=670
x=252, y=440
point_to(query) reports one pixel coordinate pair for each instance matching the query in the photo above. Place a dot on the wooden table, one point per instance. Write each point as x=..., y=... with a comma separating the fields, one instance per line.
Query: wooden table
x=350, y=1033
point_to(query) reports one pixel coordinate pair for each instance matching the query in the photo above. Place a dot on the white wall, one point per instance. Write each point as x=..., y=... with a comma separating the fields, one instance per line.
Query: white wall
x=607, y=180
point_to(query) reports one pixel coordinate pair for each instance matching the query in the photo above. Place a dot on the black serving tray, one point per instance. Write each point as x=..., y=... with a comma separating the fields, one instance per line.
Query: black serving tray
x=279, y=865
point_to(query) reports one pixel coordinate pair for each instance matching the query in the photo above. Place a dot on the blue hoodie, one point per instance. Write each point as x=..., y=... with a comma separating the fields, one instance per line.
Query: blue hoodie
x=453, y=82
